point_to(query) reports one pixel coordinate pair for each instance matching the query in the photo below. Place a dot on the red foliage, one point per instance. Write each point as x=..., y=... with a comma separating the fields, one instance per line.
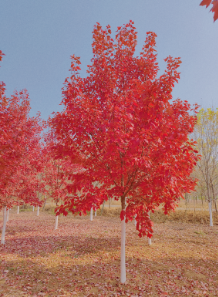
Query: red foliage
x=214, y=9
x=19, y=149
x=56, y=172
x=119, y=121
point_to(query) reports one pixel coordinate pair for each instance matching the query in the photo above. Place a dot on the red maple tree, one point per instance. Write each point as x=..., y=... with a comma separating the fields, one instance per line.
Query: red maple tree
x=19, y=149
x=120, y=122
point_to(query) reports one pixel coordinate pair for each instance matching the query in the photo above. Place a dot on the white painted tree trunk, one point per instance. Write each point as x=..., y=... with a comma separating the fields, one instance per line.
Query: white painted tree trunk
x=135, y=220
x=149, y=241
x=56, y=222
x=123, y=263
x=18, y=209
x=210, y=211
x=38, y=211
x=33, y=208
x=91, y=214
x=7, y=215
x=95, y=213
x=4, y=225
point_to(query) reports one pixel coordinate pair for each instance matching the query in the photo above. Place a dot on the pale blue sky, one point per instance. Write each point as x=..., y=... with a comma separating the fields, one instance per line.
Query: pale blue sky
x=38, y=38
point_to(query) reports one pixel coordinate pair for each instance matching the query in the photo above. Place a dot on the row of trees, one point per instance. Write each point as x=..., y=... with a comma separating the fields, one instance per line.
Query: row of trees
x=27, y=167
x=120, y=135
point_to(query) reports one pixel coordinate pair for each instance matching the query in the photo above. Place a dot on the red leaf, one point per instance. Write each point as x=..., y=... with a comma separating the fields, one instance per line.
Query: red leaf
x=214, y=9
x=205, y=2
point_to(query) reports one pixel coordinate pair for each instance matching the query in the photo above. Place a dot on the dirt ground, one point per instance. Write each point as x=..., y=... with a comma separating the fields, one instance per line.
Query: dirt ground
x=82, y=258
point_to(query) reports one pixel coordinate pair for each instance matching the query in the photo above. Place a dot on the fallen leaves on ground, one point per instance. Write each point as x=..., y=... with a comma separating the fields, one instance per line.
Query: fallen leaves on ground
x=82, y=258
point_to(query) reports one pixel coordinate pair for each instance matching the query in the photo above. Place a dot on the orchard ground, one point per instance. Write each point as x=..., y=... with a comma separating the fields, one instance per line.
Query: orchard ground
x=82, y=258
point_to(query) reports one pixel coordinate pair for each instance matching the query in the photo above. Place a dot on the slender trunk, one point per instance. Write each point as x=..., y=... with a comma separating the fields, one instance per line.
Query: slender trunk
x=109, y=202
x=56, y=222
x=91, y=214
x=33, y=208
x=18, y=209
x=210, y=211
x=95, y=213
x=38, y=211
x=4, y=225
x=123, y=239
x=123, y=264
x=210, y=204
x=149, y=239
x=135, y=220
x=7, y=215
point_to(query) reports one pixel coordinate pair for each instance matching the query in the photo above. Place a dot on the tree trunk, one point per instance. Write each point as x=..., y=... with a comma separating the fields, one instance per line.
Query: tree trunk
x=18, y=209
x=33, y=208
x=4, y=225
x=38, y=211
x=135, y=220
x=7, y=215
x=95, y=213
x=149, y=239
x=91, y=214
x=56, y=222
x=210, y=211
x=210, y=204
x=123, y=239
x=109, y=202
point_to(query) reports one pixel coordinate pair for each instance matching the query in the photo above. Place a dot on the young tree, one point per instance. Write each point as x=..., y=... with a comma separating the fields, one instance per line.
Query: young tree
x=206, y=136
x=19, y=146
x=120, y=122
x=56, y=173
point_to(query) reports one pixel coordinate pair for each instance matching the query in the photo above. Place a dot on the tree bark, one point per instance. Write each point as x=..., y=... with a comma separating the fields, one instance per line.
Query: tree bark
x=18, y=209
x=33, y=208
x=7, y=215
x=38, y=211
x=4, y=225
x=123, y=239
x=149, y=239
x=210, y=211
x=91, y=214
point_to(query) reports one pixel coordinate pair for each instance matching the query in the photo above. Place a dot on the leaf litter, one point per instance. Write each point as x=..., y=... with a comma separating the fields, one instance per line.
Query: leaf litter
x=81, y=259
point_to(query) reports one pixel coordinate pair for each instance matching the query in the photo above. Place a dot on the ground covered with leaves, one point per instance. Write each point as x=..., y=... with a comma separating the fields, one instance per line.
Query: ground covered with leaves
x=82, y=258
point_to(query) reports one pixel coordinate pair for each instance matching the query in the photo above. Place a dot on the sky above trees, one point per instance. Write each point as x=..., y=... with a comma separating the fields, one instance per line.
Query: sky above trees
x=38, y=38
